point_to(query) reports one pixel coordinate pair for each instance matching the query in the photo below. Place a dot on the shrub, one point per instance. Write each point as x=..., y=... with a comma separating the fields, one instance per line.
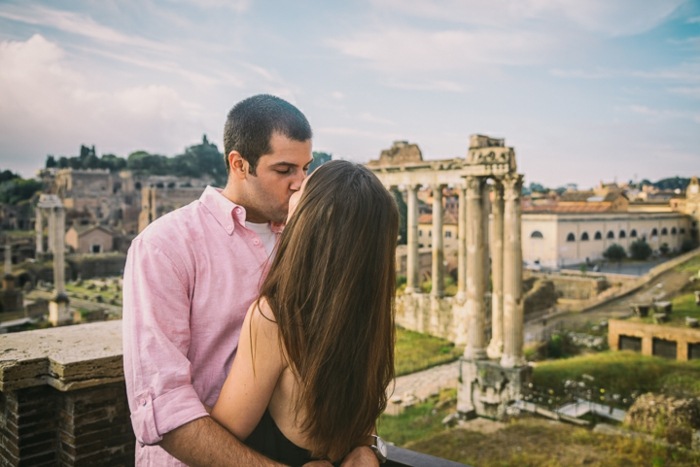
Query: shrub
x=615, y=252
x=640, y=250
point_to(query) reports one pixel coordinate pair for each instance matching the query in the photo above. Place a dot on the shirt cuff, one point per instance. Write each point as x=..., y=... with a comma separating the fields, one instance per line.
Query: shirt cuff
x=155, y=417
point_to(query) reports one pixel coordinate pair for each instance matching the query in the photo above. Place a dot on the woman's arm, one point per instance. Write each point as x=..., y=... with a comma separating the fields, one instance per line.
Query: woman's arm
x=254, y=373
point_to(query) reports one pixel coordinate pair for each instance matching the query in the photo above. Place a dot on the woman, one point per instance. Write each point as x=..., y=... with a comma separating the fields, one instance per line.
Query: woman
x=316, y=352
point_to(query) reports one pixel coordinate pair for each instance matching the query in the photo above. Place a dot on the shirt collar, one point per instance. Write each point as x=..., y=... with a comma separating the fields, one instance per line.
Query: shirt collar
x=226, y=211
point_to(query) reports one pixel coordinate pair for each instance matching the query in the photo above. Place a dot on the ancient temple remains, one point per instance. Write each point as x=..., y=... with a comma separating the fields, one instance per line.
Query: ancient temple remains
x=492, y=371
x=52, y=206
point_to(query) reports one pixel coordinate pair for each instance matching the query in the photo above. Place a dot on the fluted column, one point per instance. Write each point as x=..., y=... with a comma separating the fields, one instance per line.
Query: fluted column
x=462, y=245
x=476, y=277
x=512, y=274
x=438, y=271
x=412, y=257
x=495, y=347
x=39, y=228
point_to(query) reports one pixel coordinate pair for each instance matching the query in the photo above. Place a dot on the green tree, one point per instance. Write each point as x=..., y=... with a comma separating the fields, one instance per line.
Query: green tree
x=201, y=159
x=640, y=250
x=18, y=189
x=403, y=212
x=615, y=253
x=51, y=162
x=320, y=158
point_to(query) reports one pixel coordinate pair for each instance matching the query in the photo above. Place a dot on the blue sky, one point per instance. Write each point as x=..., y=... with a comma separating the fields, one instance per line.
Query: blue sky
x=584, y=90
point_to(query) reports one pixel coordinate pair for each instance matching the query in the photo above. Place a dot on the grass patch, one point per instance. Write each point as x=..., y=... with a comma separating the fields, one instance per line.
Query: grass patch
x=419, y=421
x=542, y=443
x=622, y=373
x=683, y=305
x=416, y=351
x=693, y=265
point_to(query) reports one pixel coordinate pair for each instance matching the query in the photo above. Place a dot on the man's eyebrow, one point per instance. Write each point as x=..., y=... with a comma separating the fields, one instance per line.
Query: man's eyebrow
x=283, y=163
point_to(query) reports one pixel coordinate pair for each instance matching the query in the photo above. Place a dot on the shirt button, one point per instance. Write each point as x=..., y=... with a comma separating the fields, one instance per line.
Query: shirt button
x=256, y=242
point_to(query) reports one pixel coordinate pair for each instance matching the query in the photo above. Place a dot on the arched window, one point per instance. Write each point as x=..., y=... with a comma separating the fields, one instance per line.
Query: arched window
x=682, y=230
x=673, y=231
x=622, y=234
x=664, y=231
x=584, y=237
x=448, y=234
x=536, y=234
x=571, y=238
x=611, y=234
x=598, y=236
x=633, y=233
x=654, y=232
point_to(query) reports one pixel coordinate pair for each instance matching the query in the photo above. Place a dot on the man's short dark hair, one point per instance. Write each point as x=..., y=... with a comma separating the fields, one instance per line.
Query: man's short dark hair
x=251, y=123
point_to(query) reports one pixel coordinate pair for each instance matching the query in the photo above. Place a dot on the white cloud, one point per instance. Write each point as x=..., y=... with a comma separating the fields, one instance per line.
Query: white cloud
x=48, y=107
x=619, y=17
x=410, y=49
x=239, y=6
x=374, y=119
x=428, y=85
x=81, y=25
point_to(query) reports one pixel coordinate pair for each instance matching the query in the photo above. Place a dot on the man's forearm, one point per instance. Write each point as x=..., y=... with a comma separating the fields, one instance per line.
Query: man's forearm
x=203, y=442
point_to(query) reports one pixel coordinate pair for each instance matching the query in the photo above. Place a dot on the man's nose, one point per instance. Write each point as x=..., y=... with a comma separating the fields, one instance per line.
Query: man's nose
x=296, y=184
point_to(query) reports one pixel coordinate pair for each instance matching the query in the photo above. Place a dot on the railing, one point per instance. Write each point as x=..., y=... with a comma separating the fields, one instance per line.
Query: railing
x=63, y=401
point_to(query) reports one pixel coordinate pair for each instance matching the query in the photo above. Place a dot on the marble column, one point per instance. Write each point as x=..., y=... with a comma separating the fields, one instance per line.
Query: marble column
x=438, y=271
x=412, y=258
x=513, y=308
x=59, y=215
x=476, y=277
x=51, y=229
x=495, y=347
x=39, y=228
x=462, y=245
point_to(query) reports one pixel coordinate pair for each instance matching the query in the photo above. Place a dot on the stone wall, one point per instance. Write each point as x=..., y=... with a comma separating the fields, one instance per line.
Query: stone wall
x=651, y=334
x=62, y=397
x=442, y=317
x=63, y=400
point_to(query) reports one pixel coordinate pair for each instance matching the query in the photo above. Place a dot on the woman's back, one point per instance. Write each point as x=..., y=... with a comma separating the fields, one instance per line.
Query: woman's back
x=322, y=336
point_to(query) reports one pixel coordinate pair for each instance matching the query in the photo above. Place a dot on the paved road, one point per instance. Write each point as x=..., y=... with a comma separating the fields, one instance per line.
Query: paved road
x=664, y=287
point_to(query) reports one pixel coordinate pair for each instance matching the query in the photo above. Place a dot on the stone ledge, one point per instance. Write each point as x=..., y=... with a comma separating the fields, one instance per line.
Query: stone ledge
x=66, y=357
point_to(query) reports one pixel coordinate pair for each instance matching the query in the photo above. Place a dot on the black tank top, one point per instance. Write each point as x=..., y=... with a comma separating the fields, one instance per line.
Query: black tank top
x=267, y=439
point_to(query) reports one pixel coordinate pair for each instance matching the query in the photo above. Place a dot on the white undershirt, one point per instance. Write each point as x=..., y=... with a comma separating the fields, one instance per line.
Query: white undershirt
x=266, y=235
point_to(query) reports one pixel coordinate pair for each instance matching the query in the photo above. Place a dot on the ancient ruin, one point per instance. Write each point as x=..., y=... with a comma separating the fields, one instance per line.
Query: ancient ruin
x=52, y=206
x=493, y=371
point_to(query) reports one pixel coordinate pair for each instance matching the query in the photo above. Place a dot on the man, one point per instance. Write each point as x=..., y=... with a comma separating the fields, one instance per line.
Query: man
x=189, y=279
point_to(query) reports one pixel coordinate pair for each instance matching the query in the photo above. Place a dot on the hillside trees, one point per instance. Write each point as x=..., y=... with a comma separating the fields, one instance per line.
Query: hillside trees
x=15, y=189
x=203, y=159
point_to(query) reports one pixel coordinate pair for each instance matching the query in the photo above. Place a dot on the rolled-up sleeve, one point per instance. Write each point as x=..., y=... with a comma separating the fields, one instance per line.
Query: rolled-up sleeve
x=157, y=292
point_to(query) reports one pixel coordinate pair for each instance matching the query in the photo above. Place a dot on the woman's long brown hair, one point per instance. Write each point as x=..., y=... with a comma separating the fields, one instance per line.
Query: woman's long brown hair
x=331, y=290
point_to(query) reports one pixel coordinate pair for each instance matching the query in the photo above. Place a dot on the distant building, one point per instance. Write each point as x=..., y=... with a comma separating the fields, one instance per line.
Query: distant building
x=449, y=231
x=90, y=239
x=580, y=226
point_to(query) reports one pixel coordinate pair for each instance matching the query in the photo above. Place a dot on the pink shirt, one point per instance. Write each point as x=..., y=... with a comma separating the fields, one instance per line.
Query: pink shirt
x=188, y=282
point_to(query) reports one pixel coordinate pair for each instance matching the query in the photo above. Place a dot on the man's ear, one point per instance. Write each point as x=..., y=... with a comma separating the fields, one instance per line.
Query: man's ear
x=237, y=164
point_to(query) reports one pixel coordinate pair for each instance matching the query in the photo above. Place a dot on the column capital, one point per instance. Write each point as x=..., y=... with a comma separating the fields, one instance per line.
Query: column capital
x=513, y=185
x=474, y=186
